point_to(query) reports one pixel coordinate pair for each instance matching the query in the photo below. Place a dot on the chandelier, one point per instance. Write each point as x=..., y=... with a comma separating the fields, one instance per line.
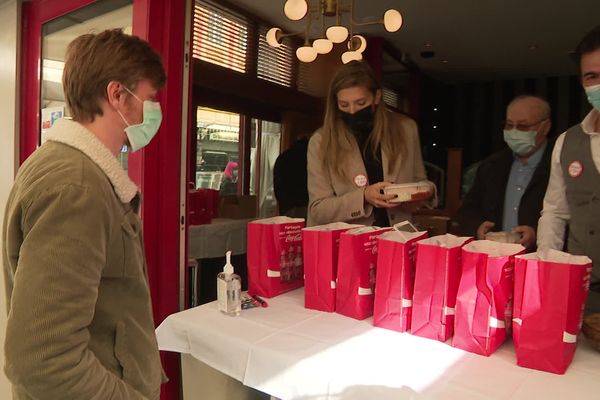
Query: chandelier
x=315, y=10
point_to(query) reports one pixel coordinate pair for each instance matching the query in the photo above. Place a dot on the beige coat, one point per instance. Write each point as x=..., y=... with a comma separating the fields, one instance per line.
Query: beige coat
x=333, y=199
x=79, y=313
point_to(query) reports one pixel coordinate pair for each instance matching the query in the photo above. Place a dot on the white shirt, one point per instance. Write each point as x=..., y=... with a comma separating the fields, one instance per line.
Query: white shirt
x=555, y=214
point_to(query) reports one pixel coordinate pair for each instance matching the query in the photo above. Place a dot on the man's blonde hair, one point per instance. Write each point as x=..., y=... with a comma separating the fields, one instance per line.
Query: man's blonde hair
x=94, y=60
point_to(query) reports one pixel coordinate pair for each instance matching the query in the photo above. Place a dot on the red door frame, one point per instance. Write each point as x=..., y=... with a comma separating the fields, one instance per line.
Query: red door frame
x=35, y=14
x=157, y=168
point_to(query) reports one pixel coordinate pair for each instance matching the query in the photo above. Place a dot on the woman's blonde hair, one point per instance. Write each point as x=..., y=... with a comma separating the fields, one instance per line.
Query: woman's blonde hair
x=338, y=141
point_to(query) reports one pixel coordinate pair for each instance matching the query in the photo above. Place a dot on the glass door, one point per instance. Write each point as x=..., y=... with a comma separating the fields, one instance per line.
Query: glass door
x=264, y=150
x=217, y=150
x=48, y=29
x=159, y=169
x=56, y=35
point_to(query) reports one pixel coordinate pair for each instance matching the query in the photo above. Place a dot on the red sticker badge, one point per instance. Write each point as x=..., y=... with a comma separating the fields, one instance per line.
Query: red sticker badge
x=360, y=180
x=575, y=169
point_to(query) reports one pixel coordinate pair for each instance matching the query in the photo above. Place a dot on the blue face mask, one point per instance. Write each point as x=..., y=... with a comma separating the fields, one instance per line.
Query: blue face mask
x=140, y=135
x=520, y=142
x=593, y=95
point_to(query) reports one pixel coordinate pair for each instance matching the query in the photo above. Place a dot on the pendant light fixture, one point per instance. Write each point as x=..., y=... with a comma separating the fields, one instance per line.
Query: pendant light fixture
x=309, y=10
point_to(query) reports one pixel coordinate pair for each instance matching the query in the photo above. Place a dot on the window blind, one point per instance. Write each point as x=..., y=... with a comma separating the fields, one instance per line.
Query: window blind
x=275, y=64
x=390, y=97
x=220, y=36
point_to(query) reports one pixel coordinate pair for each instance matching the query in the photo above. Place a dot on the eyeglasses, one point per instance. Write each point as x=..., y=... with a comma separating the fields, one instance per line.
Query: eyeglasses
x=520, y=127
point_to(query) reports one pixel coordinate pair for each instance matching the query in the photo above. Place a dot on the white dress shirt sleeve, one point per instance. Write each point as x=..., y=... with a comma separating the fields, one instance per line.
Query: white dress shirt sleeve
x=555, y=213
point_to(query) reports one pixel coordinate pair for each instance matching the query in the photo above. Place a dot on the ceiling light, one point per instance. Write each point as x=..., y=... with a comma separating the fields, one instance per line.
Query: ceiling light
x=310, y=10
x=351, y=56
x=323, y=46
x=273, y=36
x=392, y=20
x=306, y=54
x=337, y=34
x=357, y=43
x=295, y=9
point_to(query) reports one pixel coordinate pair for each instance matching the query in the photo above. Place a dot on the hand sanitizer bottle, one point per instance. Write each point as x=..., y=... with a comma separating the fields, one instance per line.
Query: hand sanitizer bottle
x=229, y=288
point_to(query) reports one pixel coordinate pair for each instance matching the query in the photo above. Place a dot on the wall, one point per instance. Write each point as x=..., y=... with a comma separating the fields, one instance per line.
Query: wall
x=9, y=37
x=471, y=115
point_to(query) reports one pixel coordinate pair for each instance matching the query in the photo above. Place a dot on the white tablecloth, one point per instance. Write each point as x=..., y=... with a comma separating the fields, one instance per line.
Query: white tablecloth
x=214, y=239
x=294, y=353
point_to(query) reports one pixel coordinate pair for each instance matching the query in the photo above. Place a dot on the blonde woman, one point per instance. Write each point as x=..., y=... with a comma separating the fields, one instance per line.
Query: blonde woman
x=361, y=148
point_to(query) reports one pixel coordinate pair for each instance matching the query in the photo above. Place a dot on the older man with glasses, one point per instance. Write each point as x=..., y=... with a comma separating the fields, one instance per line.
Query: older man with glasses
x=509, y=187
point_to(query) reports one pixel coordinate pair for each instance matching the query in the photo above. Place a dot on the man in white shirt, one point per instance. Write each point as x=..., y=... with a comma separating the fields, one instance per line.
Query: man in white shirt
x=573, y=194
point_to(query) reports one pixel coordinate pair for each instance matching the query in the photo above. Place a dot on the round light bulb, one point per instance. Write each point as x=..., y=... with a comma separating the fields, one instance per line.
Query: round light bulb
x=272, y=37
x=351, y=56
x=306, y=54
x=357, y=43
x=295, y=9
x=392, y=20
x=323, y=46
x=337, y=34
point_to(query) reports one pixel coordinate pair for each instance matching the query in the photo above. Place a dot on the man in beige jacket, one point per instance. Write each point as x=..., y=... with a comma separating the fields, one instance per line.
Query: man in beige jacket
x=79, y=313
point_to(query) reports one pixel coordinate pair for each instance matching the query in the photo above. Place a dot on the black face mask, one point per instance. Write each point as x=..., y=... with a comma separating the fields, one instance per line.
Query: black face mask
x=361, y=122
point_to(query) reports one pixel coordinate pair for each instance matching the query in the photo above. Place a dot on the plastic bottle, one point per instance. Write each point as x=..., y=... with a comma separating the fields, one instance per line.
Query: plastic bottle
x=298, y=264
x=229, y=290
x=283, y=266
x=372, y=276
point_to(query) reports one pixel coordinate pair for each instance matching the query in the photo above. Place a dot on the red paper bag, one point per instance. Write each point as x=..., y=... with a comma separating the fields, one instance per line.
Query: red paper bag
x=395, y=279
x=437, y=273
x=321, y=246
x=483, y=311
x=551, y=288
x=274, y=255
x=356, y=271
x=203, y=205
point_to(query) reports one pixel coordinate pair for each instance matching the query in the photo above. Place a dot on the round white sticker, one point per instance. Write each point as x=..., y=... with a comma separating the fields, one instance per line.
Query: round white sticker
x=360, y=180
x=575, y=169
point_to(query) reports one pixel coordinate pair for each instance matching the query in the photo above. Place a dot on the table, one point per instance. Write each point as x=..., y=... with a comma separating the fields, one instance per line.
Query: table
x=214, y=239
x=211, y=241
x=294, y=353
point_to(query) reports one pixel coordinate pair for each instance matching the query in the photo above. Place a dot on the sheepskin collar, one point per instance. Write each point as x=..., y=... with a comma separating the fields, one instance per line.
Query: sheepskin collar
x=76, y=135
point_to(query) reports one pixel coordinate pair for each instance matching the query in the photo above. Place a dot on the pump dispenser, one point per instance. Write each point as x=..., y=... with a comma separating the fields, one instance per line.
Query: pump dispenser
x=229, y=288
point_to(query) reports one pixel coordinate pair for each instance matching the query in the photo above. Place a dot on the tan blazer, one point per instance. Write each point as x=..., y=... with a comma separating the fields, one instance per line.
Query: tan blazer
x=332, y=198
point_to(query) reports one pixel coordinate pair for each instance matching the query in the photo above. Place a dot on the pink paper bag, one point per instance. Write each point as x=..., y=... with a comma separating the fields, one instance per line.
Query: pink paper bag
x=356, y=271
x=483, y=311
x=321, y=247
x=274, y=255
x=395, y=279
x=551, y=288
x=437, y=273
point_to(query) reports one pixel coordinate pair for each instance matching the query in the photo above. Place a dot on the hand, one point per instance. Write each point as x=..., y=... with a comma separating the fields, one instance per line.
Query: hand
x=527, y=235
x=374, y=196
x=484, y=228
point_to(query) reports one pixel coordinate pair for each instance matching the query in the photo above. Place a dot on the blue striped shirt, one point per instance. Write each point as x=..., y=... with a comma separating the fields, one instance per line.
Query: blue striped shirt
x=518, y=180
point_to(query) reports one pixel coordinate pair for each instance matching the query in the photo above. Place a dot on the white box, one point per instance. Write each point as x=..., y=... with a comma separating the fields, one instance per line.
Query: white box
x=409, y=191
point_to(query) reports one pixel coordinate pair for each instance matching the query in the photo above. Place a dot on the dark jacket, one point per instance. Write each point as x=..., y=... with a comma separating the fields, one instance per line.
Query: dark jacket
x=289, y=180
x=485, y=200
